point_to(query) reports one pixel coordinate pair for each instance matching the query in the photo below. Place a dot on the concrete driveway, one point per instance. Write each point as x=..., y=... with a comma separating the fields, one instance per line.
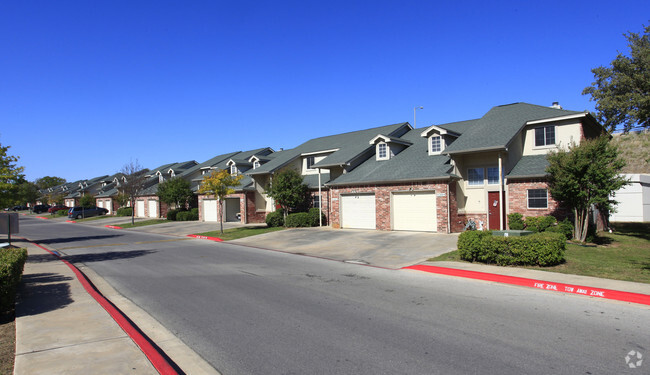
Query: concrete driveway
x=382, y=249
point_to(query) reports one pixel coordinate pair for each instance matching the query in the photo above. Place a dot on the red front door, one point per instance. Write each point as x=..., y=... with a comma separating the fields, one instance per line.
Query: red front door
x=494, y=205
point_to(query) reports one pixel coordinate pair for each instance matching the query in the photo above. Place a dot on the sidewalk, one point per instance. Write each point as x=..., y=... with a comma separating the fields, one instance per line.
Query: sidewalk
x=62, y=329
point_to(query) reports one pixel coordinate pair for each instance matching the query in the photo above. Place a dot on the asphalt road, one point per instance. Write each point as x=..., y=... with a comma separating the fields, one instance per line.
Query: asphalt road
x=251, y=311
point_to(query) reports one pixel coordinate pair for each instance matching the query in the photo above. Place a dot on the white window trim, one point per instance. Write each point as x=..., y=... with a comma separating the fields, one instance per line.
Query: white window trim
x=482, y=184
x=528, y=200
x=487, y=177
x=233, y=169
x=379, y=157
x=256, y=164
x=307, y=166
x=442, y=144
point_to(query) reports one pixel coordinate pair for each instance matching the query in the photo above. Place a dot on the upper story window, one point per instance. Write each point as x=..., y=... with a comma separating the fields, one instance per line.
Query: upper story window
x=310, y=162
x=475, y=176
x=545, y=136
x=493, y=175
x=382, y=151
x=233, y=170
x=256, y=164
x=436, y=144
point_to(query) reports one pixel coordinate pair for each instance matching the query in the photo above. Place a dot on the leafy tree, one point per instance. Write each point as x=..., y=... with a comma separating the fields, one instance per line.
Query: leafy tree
x=25, y=192
x=622, y=91
x=288, y=190
x=87, y=200
x=10, y=175
x=220, y=183
x=122, y=199
x=176, y=191
x=585, y=175
x=49, y=181
x=136, y=178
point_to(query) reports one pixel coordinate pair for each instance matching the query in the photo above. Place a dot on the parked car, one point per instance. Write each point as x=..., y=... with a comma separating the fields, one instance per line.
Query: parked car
x=19, y=208
x=79, y=212
x=39, y=208
x=56, y=208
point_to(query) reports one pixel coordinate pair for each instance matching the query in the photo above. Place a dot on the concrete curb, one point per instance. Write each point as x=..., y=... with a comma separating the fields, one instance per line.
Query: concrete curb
x=205, y=237
x=618, y=295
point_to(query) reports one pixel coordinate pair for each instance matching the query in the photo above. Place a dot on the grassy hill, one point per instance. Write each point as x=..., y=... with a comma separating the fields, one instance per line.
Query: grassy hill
x=635, y=149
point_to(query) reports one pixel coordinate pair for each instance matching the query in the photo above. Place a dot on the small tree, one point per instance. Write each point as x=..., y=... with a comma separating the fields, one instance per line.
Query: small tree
x=288, y=190
x=176, y=191
x=122, y=199
x=10, y=174
x=134, y=184
x=87, y=201
x=49, y=181
x=585, y=175
x=622, y=90
x=26, y=192
x=220, y=183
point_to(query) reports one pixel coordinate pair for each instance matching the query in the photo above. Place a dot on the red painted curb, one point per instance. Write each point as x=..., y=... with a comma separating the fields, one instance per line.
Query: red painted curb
x=70, y=221
x=113, y=227
x=205, y=238
x=618, y=295
x=157, y=360
x=41, y=217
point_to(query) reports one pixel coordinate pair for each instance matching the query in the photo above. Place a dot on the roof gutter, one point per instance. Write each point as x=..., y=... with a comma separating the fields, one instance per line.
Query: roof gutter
x=482, y=149
x=443, y=178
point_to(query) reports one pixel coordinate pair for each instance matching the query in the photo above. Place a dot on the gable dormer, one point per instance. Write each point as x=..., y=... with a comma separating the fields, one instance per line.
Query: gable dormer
x=255, y=161
x=438, y=138
x=386, y=147
x=232, y=167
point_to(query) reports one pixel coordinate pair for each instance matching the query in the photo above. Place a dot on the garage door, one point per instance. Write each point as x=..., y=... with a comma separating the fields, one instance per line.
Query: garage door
x=153, y=209
x=358, y=211
x=414, y=211
x=139, y=208
x=100, y=204
x=109, y=206
x=210, y=210
x=232, y=209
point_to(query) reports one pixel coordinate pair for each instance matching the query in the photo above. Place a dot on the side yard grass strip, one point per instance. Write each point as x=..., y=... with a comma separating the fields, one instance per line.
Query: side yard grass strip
x=236, y=233
x=141, y=223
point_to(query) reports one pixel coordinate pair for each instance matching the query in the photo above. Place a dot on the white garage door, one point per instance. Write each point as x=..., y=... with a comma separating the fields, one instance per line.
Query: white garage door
x=358, y=211
x=414, y=211
x=100, y=204
x=210, y=210
x=109, y=206
x=139, y=208
x=153, y=209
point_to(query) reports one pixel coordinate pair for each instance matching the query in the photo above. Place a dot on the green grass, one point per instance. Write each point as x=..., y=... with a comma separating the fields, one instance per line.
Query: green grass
x=241, y=232
x=622, y=255
x=142, y=223
x=92, y=218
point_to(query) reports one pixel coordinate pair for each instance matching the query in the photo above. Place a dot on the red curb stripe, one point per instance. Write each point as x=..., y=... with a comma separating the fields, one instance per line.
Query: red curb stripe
x=618, y=295
x=41, y=217
x=113, y=227
x=70, y=221
x=205, y=238
x=154, y=356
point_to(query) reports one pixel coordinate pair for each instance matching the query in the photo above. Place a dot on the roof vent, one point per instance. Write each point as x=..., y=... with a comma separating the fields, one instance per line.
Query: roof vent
x=556, y=105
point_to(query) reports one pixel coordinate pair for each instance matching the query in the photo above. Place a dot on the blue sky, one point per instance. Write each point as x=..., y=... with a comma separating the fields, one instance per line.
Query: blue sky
x=87, y=86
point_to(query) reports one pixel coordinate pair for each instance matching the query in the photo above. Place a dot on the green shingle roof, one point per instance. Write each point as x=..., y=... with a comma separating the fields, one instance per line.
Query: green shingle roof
x=529, y=166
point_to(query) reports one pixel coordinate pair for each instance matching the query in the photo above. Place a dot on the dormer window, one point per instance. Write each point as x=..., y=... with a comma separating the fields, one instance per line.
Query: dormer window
x=382, y=151
x=435, y=144
x=545, y=136
x=310, y=162
x=233, y=170
x=256, y=164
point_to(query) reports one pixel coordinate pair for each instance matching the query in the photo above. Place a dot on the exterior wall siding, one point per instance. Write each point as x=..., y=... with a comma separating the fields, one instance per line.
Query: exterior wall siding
x=383, y=201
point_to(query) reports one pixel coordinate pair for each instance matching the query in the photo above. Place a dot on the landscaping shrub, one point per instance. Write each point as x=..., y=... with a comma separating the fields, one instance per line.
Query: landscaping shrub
x=275, y=219
x=125, y=211
x=12, y=262
x=194, y=214
x=313, y=217
x=539, y=223
x=183, y=216
x=299, y=219
x=516, y=221
x=62, y=213
x=539, y=249
x=171, y=214
x=565, y=227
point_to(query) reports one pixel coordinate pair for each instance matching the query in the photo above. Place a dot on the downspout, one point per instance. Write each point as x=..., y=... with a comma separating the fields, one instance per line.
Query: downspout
x=500, y=192
x=448, y=208
x=320, y=202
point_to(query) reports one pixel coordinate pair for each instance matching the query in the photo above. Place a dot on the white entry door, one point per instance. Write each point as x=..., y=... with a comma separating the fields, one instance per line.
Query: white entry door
x=153, y=209
x=210, y=210
x=358, y=211
x=414, y=211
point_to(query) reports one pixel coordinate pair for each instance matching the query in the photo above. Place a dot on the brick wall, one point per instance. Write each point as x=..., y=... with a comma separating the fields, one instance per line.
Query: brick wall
x=383, y=201
x=242, y=206
x=253, y=216
x=518, y=199
x=325, y=203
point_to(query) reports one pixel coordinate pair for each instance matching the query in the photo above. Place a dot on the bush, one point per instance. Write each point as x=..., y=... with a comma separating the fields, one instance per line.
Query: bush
x=539, y=249
x=565, y=227
x=313, y=217
x=171, y=214
x=515, y=221
x=299, y=219
x=183, y=216
x=275, y=219
x=194, y=214
x=12, y=262
x=539, y=224
x=125, y=211
x=62, y=213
